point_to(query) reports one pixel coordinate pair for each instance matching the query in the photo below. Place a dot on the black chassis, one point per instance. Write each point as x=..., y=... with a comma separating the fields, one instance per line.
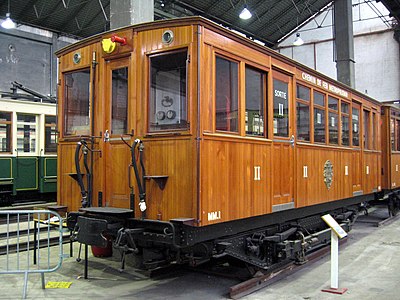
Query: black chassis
x=262, y=241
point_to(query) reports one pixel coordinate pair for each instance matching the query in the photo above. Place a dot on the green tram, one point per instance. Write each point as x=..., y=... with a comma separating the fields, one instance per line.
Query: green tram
x=28, y=148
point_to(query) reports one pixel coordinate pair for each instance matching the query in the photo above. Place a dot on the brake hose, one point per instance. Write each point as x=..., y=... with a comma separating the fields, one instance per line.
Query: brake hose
x=79, y=175
x=140, y=183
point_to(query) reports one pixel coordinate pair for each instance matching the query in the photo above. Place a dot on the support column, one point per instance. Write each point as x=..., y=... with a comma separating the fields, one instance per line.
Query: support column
x=129, y=12
x=344, y=42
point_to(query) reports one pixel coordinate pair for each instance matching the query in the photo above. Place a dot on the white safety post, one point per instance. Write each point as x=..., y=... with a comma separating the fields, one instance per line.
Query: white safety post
x=334, y=260
x=336, y=233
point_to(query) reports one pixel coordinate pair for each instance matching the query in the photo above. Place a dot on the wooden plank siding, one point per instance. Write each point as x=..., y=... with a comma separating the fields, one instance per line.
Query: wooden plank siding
x=231, y=175
x=390, y=159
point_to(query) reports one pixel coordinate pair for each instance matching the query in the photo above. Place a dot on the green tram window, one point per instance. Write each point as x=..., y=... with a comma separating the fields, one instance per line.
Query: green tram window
x=26, y=133
x=226, y=95
x=77, y=103
x=50, y=135
x=5, y=131
x=255, y=98
x=119, y=101
x=168, y=87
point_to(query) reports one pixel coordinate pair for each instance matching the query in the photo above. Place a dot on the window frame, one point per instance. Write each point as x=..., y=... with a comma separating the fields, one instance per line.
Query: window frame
x=280, y=75
x=366, y=129
x=348, y=116
x=356, y=105
x=239, y=88
x=46, y=125
x=323, y=108
x=126, y=130
x=308, y=103
x=10, y=137
x=65, y=103
x=337, y=112
x=186, y=127
x=264, y=100
x=36, y=125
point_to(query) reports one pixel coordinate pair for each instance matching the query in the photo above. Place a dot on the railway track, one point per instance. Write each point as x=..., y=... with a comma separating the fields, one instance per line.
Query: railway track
x=249, y=284
x=261, y=280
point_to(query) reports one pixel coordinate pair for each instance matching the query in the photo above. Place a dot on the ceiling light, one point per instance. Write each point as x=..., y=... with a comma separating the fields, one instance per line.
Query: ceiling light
x=8, y=23
x=298, y=41
x=245, y=14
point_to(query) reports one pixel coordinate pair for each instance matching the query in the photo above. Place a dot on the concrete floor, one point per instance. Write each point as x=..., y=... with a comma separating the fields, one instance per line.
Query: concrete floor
x=368, y=267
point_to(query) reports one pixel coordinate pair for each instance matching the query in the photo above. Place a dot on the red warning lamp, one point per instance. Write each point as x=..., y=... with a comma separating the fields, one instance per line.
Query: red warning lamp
x=117, y=39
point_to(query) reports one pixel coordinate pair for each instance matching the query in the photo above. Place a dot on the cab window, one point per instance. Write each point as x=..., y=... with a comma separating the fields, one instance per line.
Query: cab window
x=77, y=104
x=119, y=100
x=226, y=95
x=168, y=88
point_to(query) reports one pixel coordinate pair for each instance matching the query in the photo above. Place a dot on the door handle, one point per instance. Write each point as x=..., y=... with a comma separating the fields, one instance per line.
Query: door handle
x=106, y=136
x=292, y=140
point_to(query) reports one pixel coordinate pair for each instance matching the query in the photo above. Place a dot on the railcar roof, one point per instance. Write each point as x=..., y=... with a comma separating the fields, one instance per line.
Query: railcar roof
x=197, y=20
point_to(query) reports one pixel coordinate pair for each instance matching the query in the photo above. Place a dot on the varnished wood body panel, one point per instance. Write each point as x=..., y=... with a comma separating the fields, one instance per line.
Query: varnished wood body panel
x=212, y=176
x=390, y=159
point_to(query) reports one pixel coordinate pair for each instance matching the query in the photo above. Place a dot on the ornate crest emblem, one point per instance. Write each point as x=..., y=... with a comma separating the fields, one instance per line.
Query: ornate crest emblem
x=328, y=174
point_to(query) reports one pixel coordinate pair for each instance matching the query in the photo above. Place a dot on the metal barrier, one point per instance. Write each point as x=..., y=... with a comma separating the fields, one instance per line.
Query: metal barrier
x=21, y=238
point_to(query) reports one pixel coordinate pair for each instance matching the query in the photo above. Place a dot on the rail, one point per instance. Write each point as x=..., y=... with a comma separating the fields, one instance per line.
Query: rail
x=28, y=238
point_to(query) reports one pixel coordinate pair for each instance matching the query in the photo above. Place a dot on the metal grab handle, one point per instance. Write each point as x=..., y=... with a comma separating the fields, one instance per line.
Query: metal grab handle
x=292, y=140
x=106, y=136
x=129, y=176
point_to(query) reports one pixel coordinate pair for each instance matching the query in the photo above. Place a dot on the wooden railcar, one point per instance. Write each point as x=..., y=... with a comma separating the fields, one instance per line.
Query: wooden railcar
x=240, y=149
x=391, y=154
x=28, y=148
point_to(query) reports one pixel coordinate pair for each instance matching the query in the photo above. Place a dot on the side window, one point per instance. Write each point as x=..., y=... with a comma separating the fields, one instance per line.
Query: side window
x=319, y=117
x=119, y=101
x=356, y=126
x=226, y=95
x=168, y=88
x=333, y=120
x=5, y=131
x=76, y=102
x=345, y=124
x=26, y=133
x=397, y=135
x=281, y=108
x=255, y=122
x=366, y=129
x=392, y=133
x=373, y=133
x=50, y=135
x=303, y=112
